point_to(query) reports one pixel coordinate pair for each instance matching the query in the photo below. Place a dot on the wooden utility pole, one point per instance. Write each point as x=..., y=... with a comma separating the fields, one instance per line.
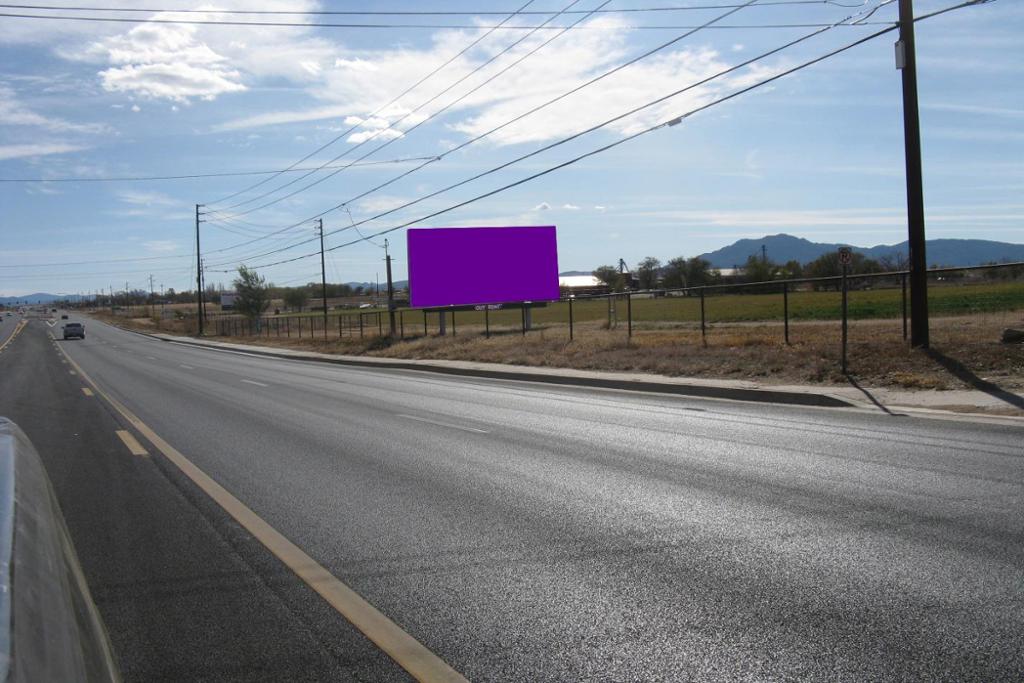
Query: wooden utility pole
x=199, y=276
x=323, y=272
x=906, y=61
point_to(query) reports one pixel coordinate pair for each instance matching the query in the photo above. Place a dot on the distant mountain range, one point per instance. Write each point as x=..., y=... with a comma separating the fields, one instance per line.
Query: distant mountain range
x=37, y=298
x=779, y=248
x=944, y=252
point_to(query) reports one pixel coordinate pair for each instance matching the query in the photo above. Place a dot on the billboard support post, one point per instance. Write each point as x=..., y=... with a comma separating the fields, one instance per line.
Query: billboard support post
x=522, y=311
x=785, y=310
x=453, y=322
x=442, y=323
x=487, y=322
x=629, y=315
x=570, y=320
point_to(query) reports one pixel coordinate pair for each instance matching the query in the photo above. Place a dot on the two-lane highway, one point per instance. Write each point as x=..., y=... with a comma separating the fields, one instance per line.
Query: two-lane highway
x=529, y=532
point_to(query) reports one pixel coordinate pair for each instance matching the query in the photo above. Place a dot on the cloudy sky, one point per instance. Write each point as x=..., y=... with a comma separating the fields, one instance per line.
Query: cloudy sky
x=374, y=122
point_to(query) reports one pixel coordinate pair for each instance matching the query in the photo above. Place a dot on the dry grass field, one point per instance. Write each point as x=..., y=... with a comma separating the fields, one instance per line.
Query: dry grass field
x=744, y=337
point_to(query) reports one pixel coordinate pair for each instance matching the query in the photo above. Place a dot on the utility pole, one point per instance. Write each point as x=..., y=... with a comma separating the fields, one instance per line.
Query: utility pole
x=323, y=272
x=906, y=61
x=111, y=289
x=199, y=276
x=764, y=254
x=391, y=292
x=152, y=303
x=127, y=300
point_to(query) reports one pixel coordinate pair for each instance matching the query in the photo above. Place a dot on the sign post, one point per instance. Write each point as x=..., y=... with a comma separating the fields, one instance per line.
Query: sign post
x=845, y=259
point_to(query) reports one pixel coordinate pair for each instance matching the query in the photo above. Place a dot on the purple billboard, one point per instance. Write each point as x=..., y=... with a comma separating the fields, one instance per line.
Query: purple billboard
x=463, y=266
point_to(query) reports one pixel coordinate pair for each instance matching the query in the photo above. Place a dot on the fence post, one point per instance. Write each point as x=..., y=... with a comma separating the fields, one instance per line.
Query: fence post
x=522, y=312
x=266, y=321
x=904, y=278
x=453, y=322
x=487, y=321
x=425, y=323
x=380, y=325
x=360, y=325
x=703, y=326
x=629, y=315
x=785, y=310
x=339, y=326
x=570, y=320
x=401, y=324
x=845, y=268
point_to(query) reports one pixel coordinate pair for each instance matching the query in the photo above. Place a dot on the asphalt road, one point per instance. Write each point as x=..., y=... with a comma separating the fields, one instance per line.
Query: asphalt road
x=523, y=531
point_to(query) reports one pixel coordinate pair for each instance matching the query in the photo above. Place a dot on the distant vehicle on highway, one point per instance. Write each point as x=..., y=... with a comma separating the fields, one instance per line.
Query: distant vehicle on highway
x=74, y=330
x=64, y=317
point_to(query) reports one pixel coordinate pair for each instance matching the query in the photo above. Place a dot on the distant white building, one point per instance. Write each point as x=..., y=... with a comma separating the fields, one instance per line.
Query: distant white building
x=578, y=281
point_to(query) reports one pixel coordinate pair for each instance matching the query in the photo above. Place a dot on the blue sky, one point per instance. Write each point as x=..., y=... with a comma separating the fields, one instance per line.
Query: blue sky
x=817, y=154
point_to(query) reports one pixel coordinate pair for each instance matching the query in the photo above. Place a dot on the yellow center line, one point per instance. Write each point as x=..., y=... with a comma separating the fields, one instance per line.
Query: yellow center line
x=87, y=391
x=17, y=330
x=131, y=442
x=409, y=653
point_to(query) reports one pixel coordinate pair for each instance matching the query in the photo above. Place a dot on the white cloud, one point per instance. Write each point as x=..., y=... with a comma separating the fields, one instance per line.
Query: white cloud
x=543, y=206
x=161, y=246
x=570, y=207
x=136, y=108
x=37, y=149
x=15, y=113
x=142, y=198
x=600, y=209
x=379, y=203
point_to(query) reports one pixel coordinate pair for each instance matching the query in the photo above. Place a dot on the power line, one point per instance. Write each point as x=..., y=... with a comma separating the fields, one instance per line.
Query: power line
x=610, y=72
x=283, y=24
x=89, y=263
x=392, y=126
x=385, y=106
x=189, y=176
x=668, y=123
x=435, y=13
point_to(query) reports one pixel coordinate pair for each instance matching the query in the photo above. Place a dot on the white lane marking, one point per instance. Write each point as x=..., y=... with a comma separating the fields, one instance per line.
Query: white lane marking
x=150, y=357
x=187, y=367
x=249, y=381
x=443, y=424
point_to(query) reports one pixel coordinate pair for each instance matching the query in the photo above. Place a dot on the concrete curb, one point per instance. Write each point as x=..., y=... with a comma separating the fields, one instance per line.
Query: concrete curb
x=820, y=400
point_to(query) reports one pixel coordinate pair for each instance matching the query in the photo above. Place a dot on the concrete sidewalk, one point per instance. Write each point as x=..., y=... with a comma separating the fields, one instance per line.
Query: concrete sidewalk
x=1001, y=406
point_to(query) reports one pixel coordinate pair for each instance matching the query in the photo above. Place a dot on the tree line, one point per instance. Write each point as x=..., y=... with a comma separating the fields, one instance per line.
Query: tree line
x=681, y=272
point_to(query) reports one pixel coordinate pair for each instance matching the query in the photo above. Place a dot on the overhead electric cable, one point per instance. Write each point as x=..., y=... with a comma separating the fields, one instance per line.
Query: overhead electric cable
x=295, y=24
x=392, y=126
x=382, y=108
x=610, y=72
x=190, y=176
x=622, y=10
x=667, y=123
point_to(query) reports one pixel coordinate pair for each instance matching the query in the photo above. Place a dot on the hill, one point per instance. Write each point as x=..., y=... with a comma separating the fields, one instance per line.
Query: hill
x=944, y=252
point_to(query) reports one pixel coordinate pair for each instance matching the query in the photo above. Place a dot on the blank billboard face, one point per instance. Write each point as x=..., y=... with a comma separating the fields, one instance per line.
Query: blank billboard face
x=462, y=266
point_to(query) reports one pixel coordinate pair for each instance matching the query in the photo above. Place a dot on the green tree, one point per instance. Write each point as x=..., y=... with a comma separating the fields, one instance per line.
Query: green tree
x=296, y=297
x=610, y=277
x=674, y=274
x=827, y=265
x=791, y=270
x=757, y=269
x=647, y=272
x=253, y=293
x=699, y=273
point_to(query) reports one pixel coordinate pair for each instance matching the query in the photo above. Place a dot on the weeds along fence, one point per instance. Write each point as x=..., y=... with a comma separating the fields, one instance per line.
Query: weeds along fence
x=780, y=310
